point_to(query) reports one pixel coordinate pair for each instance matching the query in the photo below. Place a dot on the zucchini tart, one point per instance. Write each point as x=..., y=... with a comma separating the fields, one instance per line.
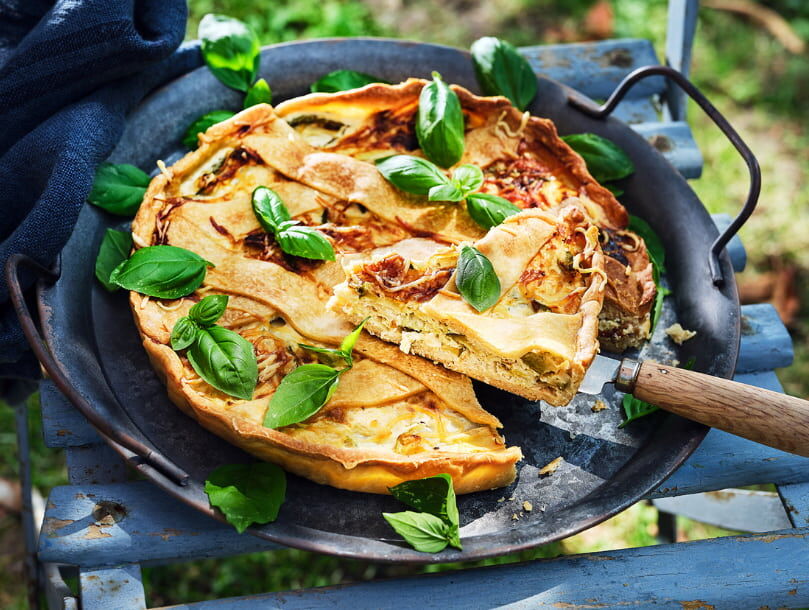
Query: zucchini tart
x=395, y=415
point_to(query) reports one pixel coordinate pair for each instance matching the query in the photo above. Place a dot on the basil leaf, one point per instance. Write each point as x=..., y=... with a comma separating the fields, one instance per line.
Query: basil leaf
x=635, y=409
x=269, y=209
x=343, y=80
x=347, y=346
x=225, y=360
x=184, y=333
x=411, y=174
x=654, y=245
x=332, y=357
x=657, y=255
x=258, y=93
x=113, y=251
x=326, y=355
x=661, y=293
x=209, y=310
x=434, y=495
x=231, y=50
x=604, y=159
x=423, y=531
x=440, y=123
x=468, y=178
x=489, y=210
x=202, y=124
x=445, y=192
x=301, y=394
x=501, y=70
x=615, y=190
x=305, y=242
x=165, y=272
x=247, y=493
x=119, y=189
x=476, y=280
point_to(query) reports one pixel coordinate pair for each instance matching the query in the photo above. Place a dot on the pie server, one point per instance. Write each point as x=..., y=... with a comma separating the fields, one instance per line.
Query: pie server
x=760, y=415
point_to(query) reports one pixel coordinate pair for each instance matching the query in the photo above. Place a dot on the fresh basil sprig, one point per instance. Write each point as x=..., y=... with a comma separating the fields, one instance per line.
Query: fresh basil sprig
x=113, y=251
x=440, y=123
x=119, y=188
x=501, y=70
x=489, y=210
x=247, y=493
x=292, y=237
x=209, y=309
x=412, y=174
x=424, y=532
x=465, y=179
x=436, y=526
x=231, y=49
x=476, y=280
x=223, y=358
x=184, y=333
x=343, y=80
x=202, y=124
x=305, y=390
x=258, y=93
x=605, y=160
x=164, y=272
x=657, y=256
x=332, y=357
x=421, y=177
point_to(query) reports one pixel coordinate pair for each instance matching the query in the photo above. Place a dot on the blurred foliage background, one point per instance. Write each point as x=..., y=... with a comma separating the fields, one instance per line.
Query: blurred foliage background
x=755, y=68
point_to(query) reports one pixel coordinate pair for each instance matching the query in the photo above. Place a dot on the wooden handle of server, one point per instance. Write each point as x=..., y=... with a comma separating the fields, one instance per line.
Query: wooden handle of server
x=760, y=415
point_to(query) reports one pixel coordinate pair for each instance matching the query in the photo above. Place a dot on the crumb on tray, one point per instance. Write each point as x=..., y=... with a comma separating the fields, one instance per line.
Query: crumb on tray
x=598, y=405
x=551, y=466
x=678, y=334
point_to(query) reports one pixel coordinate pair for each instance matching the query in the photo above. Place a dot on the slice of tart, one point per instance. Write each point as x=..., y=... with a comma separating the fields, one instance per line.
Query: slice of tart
x=539, y=337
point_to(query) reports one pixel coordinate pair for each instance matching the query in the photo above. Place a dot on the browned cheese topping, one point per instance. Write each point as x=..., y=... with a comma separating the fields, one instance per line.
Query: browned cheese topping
x=395, y=277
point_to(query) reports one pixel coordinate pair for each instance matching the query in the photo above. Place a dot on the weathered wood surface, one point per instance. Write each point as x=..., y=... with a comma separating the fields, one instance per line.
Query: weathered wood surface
x=743, y=510
x=796, y=502
x=114, y=588
x=596, y=68
x=735, y=572
x=151, y=526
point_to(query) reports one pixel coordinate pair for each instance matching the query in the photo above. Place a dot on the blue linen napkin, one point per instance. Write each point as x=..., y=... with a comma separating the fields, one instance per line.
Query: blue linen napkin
x=70, y=70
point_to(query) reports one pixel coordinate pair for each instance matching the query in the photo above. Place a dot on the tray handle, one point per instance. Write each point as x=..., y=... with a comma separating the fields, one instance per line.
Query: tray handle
x=142, y=453
x=603, y=111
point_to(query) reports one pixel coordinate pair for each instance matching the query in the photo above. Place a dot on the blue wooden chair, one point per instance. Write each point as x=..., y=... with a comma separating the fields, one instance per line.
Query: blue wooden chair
x=81, y=519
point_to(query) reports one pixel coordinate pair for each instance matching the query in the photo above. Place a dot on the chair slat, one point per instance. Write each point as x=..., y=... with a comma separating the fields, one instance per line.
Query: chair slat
x=769, y=569
x=62, y=425
x=675, y=142
x=744, y=510
x=724, y=460
x=115, y=587
x=596, y=68
x=796, y=502
x=766, y=343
